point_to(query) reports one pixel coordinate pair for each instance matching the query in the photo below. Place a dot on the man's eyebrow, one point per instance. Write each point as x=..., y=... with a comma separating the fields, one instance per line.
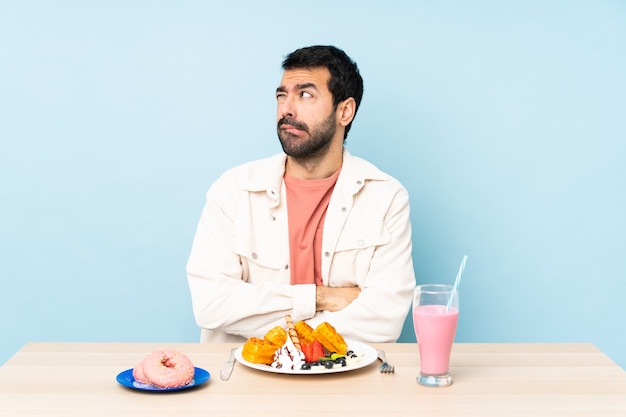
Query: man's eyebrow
x=301, y=86
x=304, y=86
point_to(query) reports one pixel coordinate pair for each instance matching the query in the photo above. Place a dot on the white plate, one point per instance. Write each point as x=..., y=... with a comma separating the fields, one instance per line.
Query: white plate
x=366, y=353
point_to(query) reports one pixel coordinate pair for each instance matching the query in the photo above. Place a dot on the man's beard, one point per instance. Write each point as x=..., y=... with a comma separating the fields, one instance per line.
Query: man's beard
x=315, y=146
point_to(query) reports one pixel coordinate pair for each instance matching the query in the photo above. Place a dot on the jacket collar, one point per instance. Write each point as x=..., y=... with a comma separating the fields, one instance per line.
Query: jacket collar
x=268, y=174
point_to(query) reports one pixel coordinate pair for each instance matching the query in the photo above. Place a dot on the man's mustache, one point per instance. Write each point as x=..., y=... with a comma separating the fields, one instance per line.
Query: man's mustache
x=293, y=122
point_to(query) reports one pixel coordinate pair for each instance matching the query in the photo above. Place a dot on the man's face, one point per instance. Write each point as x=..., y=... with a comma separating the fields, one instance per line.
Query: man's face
x=306, y=120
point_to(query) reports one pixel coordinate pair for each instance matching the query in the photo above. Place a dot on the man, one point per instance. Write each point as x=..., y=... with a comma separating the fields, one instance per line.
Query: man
x=313, y=232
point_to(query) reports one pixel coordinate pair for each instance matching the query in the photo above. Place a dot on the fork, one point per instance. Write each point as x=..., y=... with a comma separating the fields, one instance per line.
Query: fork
x=386, y=367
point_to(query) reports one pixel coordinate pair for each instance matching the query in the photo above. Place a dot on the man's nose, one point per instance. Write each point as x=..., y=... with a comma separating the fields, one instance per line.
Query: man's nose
x=286, y=108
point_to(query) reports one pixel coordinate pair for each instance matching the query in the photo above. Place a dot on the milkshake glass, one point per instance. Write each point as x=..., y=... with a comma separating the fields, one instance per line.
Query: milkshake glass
x=435, y=317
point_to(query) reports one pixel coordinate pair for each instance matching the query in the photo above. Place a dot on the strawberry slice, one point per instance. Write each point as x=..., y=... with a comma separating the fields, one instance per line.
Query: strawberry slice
x=307, y=350
x=317, y=351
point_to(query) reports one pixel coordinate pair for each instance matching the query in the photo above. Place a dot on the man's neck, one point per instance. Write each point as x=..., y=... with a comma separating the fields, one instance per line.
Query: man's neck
x=315, y=168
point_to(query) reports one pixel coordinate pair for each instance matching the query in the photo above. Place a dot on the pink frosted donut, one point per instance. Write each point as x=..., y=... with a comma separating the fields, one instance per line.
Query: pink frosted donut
x=139, y=375
x=167, y=368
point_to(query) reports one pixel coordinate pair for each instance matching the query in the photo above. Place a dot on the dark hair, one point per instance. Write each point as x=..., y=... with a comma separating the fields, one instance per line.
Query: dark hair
x=345, y=80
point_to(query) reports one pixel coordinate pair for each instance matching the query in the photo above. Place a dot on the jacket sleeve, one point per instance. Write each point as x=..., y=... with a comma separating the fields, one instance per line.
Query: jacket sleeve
x=222, y=299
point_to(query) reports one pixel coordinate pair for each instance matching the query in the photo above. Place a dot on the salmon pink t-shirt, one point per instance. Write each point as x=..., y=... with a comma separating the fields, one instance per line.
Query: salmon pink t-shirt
x=307, y=201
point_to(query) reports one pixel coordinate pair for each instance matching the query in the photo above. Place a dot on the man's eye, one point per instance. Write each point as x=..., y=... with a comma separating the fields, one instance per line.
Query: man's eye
x=305, y=94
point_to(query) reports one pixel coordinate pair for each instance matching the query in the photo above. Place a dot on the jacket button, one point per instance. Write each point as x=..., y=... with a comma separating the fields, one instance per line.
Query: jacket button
x=327, y=254
x=254, y=255
x=361, y=242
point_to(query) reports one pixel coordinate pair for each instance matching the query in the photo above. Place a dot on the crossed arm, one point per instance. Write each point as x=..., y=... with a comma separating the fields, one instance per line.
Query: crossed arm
x=334, y=299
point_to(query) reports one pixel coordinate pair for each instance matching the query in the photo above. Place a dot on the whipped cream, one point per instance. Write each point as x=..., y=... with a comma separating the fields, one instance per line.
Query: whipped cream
x=288, y=357
x=354, y=357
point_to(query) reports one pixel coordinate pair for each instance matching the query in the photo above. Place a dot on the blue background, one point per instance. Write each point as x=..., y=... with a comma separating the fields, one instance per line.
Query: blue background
x=505, y=121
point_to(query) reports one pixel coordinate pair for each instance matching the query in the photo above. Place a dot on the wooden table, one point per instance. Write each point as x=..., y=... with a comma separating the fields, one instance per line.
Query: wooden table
x=79, y=379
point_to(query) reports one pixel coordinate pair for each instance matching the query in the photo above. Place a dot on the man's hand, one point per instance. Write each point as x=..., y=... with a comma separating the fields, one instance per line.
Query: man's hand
x=335, y=299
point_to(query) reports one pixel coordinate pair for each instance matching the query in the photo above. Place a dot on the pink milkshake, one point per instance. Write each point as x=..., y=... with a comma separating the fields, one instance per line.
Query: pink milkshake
x=435, y=317
x=435, y=329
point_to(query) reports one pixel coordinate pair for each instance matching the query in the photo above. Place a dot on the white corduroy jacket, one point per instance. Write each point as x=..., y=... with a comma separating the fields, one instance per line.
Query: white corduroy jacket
x=238, y=269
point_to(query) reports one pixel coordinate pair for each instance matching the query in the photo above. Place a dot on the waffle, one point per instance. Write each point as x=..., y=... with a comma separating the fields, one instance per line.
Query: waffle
x=257, y=350
x=305, y=332
x=276, y=336
x=330, y=339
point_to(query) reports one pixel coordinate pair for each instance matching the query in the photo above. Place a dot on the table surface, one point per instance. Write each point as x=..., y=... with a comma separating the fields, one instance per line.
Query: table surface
x=519, y=379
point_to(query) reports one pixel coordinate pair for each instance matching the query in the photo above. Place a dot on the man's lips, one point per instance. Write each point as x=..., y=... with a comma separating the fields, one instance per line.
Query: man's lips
x=292, y=126
x=291, y=129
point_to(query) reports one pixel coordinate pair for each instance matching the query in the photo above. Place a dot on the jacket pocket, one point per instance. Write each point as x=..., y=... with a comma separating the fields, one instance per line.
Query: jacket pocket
x=355, y=249
x=260, y=262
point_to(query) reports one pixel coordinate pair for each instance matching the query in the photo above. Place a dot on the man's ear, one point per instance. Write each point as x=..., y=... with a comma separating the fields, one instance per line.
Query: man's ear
x=345, y=111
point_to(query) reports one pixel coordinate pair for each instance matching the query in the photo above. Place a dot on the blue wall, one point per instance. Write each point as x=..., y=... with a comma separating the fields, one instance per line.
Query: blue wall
x=505, y=120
